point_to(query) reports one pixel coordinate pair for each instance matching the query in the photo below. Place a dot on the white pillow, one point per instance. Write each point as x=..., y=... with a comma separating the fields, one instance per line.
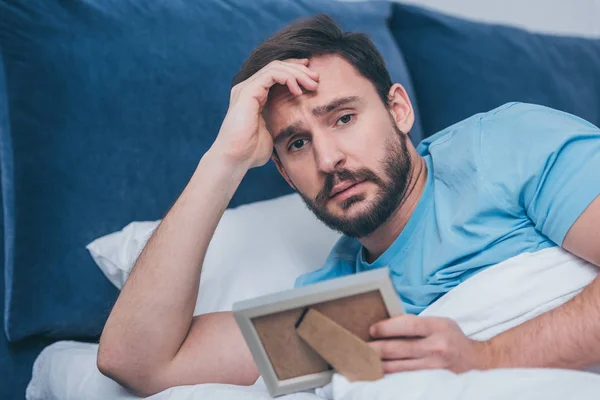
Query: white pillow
x=257, y=249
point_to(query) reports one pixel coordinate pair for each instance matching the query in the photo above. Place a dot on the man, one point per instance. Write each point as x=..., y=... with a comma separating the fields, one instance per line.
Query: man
x=320, y=102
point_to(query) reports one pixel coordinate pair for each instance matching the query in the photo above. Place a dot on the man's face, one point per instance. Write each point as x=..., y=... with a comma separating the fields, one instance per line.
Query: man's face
x=340, y=148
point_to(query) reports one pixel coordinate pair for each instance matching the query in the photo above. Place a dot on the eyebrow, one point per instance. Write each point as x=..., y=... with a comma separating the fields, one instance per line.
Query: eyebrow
x=319, y=111
x=333, y=105
x=286, y=133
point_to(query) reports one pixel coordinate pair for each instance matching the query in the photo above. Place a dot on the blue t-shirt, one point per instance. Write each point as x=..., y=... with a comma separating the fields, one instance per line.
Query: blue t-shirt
x=500, y=183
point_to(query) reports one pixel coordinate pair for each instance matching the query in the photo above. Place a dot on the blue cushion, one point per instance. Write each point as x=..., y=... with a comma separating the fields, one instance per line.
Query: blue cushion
x=460, y=68
x=16, y=359
x=110, y=107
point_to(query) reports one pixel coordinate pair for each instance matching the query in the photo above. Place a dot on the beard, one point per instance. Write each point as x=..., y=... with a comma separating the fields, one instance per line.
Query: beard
x=392, y=189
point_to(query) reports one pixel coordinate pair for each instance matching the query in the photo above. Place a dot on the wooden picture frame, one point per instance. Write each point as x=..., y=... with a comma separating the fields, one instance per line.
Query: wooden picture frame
x=268, y=324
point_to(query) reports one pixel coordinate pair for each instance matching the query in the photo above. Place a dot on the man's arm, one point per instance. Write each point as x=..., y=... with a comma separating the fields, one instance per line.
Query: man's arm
x=565, y=337
x=541, y=164
x=569, y=335
x=151, y=340
x=150, y=335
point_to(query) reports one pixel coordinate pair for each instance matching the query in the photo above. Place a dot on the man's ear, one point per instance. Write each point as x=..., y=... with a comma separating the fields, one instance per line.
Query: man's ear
x=401, y=108
x=281, y=170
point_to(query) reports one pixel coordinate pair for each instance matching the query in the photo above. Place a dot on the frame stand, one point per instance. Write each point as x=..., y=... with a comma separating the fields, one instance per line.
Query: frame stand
x=345, y=352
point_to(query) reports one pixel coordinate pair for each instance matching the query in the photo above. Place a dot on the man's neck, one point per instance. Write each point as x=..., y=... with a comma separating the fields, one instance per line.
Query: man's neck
x=379, y=241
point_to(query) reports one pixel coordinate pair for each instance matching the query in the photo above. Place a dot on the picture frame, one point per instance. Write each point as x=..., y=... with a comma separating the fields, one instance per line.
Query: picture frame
x=267, y=324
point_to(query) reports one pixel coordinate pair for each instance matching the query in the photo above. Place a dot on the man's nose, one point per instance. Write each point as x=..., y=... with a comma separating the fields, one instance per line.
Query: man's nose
x=328, y=154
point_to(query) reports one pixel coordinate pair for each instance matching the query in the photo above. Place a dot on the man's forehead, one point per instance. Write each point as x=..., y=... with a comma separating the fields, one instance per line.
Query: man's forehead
x=337, y=78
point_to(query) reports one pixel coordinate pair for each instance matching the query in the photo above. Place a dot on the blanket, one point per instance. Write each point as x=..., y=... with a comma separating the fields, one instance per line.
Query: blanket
x=487, y=304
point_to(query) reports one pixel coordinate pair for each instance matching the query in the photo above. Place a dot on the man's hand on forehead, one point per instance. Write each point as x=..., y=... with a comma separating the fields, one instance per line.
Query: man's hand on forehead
x=243, y=137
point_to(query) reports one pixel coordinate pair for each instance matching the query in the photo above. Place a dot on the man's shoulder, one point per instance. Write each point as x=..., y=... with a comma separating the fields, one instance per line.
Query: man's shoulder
x=469, y=128
x=530, y=130
x=512, y=126
x=534, y=117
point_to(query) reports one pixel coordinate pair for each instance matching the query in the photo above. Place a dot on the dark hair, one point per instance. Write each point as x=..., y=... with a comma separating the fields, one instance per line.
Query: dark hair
x=319, y=36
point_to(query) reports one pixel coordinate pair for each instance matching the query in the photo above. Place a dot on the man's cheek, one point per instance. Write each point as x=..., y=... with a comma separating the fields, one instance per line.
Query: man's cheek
x=309, y=191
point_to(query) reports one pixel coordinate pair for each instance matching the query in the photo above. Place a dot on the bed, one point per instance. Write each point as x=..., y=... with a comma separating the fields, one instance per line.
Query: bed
x=483, y=306
x=107, y=106
x=67, y=371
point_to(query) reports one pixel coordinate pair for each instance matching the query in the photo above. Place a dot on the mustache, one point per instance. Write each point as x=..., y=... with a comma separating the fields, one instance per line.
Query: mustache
x=344, y=175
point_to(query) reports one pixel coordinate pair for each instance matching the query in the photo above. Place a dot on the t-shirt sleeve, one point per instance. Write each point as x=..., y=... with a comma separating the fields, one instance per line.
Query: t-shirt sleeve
x=541, y=163
x=340, y=262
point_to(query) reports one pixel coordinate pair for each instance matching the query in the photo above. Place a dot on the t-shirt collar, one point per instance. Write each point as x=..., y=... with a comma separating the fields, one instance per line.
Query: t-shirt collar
x=413, y=222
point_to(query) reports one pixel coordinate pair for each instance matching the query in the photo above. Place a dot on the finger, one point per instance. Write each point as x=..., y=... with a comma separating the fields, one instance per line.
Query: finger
x=403, y=326
x=292, y=84
x=302, y=77
x=410, y=365
x=293, y=78
x=278, y=64
x=303, y=61
x=400, y=348
x=260, y=86
x=307, y=82
x=285, y=79
x=303, y=68
x=314, y=75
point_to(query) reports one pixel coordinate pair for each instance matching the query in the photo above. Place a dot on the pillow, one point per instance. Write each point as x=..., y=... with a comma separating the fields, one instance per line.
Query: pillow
x=111, y=104
x=117, y=252
x=257, y=249
x=460, y=68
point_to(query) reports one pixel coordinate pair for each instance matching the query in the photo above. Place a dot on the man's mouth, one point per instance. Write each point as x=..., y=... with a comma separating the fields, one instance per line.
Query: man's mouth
x=341, y=187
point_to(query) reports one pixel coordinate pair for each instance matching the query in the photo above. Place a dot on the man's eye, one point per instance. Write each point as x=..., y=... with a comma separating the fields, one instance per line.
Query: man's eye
x=345, y=119
x=297, y=144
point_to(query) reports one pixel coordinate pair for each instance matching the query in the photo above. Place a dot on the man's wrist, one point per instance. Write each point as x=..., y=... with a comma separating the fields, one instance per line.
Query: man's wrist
x=217, y=175
x=221, y=164
x=489, y=355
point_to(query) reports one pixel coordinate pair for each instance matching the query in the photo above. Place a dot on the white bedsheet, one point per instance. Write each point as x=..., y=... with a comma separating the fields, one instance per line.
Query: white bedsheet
x=491, y=302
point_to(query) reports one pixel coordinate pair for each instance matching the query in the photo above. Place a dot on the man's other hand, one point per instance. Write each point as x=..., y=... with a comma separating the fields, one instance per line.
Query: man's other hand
x=409, y=342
